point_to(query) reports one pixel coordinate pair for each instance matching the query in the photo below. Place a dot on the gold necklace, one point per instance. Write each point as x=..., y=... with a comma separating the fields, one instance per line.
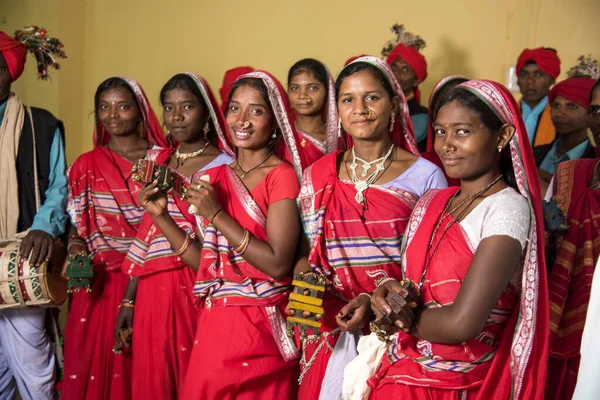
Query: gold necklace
x=184, y=156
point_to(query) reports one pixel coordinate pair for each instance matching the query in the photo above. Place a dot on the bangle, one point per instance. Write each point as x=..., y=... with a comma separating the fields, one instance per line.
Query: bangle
x=384, y=280
x=364, y=294
x=215, y=215
x=127, y=303
x=241, y=248
x=185, y=246
x=73, y=241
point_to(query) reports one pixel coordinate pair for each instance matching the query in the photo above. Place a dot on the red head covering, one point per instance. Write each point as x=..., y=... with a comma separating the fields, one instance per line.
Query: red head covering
x=402, y=134
x=414, y=59
x=576, y=90
x=348, y=61
x=15, y=55
x=216, y=115
x=153, y=130
x=519, y=367
x=230, y=77
x=546, y=59
x=288, y=149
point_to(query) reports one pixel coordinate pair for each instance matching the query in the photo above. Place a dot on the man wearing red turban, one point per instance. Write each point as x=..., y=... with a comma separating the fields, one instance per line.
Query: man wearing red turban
x=228, y=81
x=410, y=67
x=537, y=70
x=28, y=135
x=569, y=101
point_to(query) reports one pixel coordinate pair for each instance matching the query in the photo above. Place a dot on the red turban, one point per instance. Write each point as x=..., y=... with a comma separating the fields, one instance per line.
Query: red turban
x=15, y=55
x=546, y=59
x=228, y=81
x=576, y=90
x=412, y=57
x=348, y=61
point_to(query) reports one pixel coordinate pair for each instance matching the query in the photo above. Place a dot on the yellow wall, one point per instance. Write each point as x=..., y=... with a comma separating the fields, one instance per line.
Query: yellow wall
x=151, y=40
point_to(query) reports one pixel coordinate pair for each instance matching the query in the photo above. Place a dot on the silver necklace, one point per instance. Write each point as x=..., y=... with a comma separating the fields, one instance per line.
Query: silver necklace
x=362, y=184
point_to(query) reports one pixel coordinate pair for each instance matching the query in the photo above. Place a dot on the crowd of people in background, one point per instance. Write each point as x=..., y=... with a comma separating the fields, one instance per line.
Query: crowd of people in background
x=323, y=238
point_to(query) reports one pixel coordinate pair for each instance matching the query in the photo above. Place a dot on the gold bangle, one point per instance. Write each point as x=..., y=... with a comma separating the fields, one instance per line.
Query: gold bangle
x=185, y=246
x=243, y=250
x=244, y=242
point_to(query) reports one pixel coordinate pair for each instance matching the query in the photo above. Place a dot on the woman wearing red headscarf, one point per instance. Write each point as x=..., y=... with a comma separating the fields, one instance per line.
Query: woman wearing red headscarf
x=355, y=206
x=106, y=215
x=410, y=68
x=249, y=217
x=158, y=307
x=473, y=260
x=311, y=91
x=438, y=92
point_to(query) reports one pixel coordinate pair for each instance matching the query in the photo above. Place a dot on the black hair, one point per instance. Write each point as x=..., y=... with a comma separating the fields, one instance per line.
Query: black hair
x=596, y=86
x=452, y=83
x=492, y=122
x=108, y=84
x=259, y=85
x=356, y=67
x=312, y=66
x=186, y=82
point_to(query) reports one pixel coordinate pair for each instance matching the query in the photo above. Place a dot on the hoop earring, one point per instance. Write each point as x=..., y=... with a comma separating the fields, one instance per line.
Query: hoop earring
x=392, y=121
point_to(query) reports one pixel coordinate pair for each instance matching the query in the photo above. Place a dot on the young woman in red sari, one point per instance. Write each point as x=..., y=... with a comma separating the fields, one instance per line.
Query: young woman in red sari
x=311, y=91
x=438, y=92
x=576, y=190
x=163, y=322
x=249, y=217
x=355, y=206
x=106, y=215
x=476, y=255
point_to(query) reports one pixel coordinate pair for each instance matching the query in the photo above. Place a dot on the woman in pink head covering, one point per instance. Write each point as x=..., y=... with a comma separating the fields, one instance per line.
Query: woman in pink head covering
x=311, y=91
x=162, y=258
x=105, y=212
x=475, y=319
x=355, y=206
x=249, y=219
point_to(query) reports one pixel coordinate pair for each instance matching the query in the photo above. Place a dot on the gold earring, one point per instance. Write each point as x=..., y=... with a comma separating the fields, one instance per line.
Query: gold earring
x=500, y=148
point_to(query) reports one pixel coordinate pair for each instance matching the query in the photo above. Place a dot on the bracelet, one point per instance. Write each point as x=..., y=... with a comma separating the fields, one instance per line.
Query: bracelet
x=73, y=241
x=384, y=280
x=127, y=303
x=241, y=248
x=364, y=294
x=185, y=246
x=215, y=215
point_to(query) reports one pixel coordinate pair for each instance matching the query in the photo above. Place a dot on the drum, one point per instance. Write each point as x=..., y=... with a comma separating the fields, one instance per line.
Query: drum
x=22, y=285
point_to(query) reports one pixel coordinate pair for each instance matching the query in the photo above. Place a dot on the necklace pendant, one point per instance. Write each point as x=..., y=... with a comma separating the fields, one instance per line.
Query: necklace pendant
x=243, y=176
x=360, y=187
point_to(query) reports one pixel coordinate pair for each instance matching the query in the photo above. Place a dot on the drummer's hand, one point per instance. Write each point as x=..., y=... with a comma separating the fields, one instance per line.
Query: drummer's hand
x=37, y=247
x=154, y=200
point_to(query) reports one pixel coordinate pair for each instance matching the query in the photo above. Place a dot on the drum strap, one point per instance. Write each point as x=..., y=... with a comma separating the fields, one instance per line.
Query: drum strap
x=38, y=196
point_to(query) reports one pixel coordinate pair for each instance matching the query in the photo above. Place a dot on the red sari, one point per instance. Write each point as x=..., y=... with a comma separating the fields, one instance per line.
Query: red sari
x=259, y=361
x=570, y=280
x=352, y=245
x=508, y=359
x=352, y=255
x=105, y=210
x=165, y=314
x=315, y=149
